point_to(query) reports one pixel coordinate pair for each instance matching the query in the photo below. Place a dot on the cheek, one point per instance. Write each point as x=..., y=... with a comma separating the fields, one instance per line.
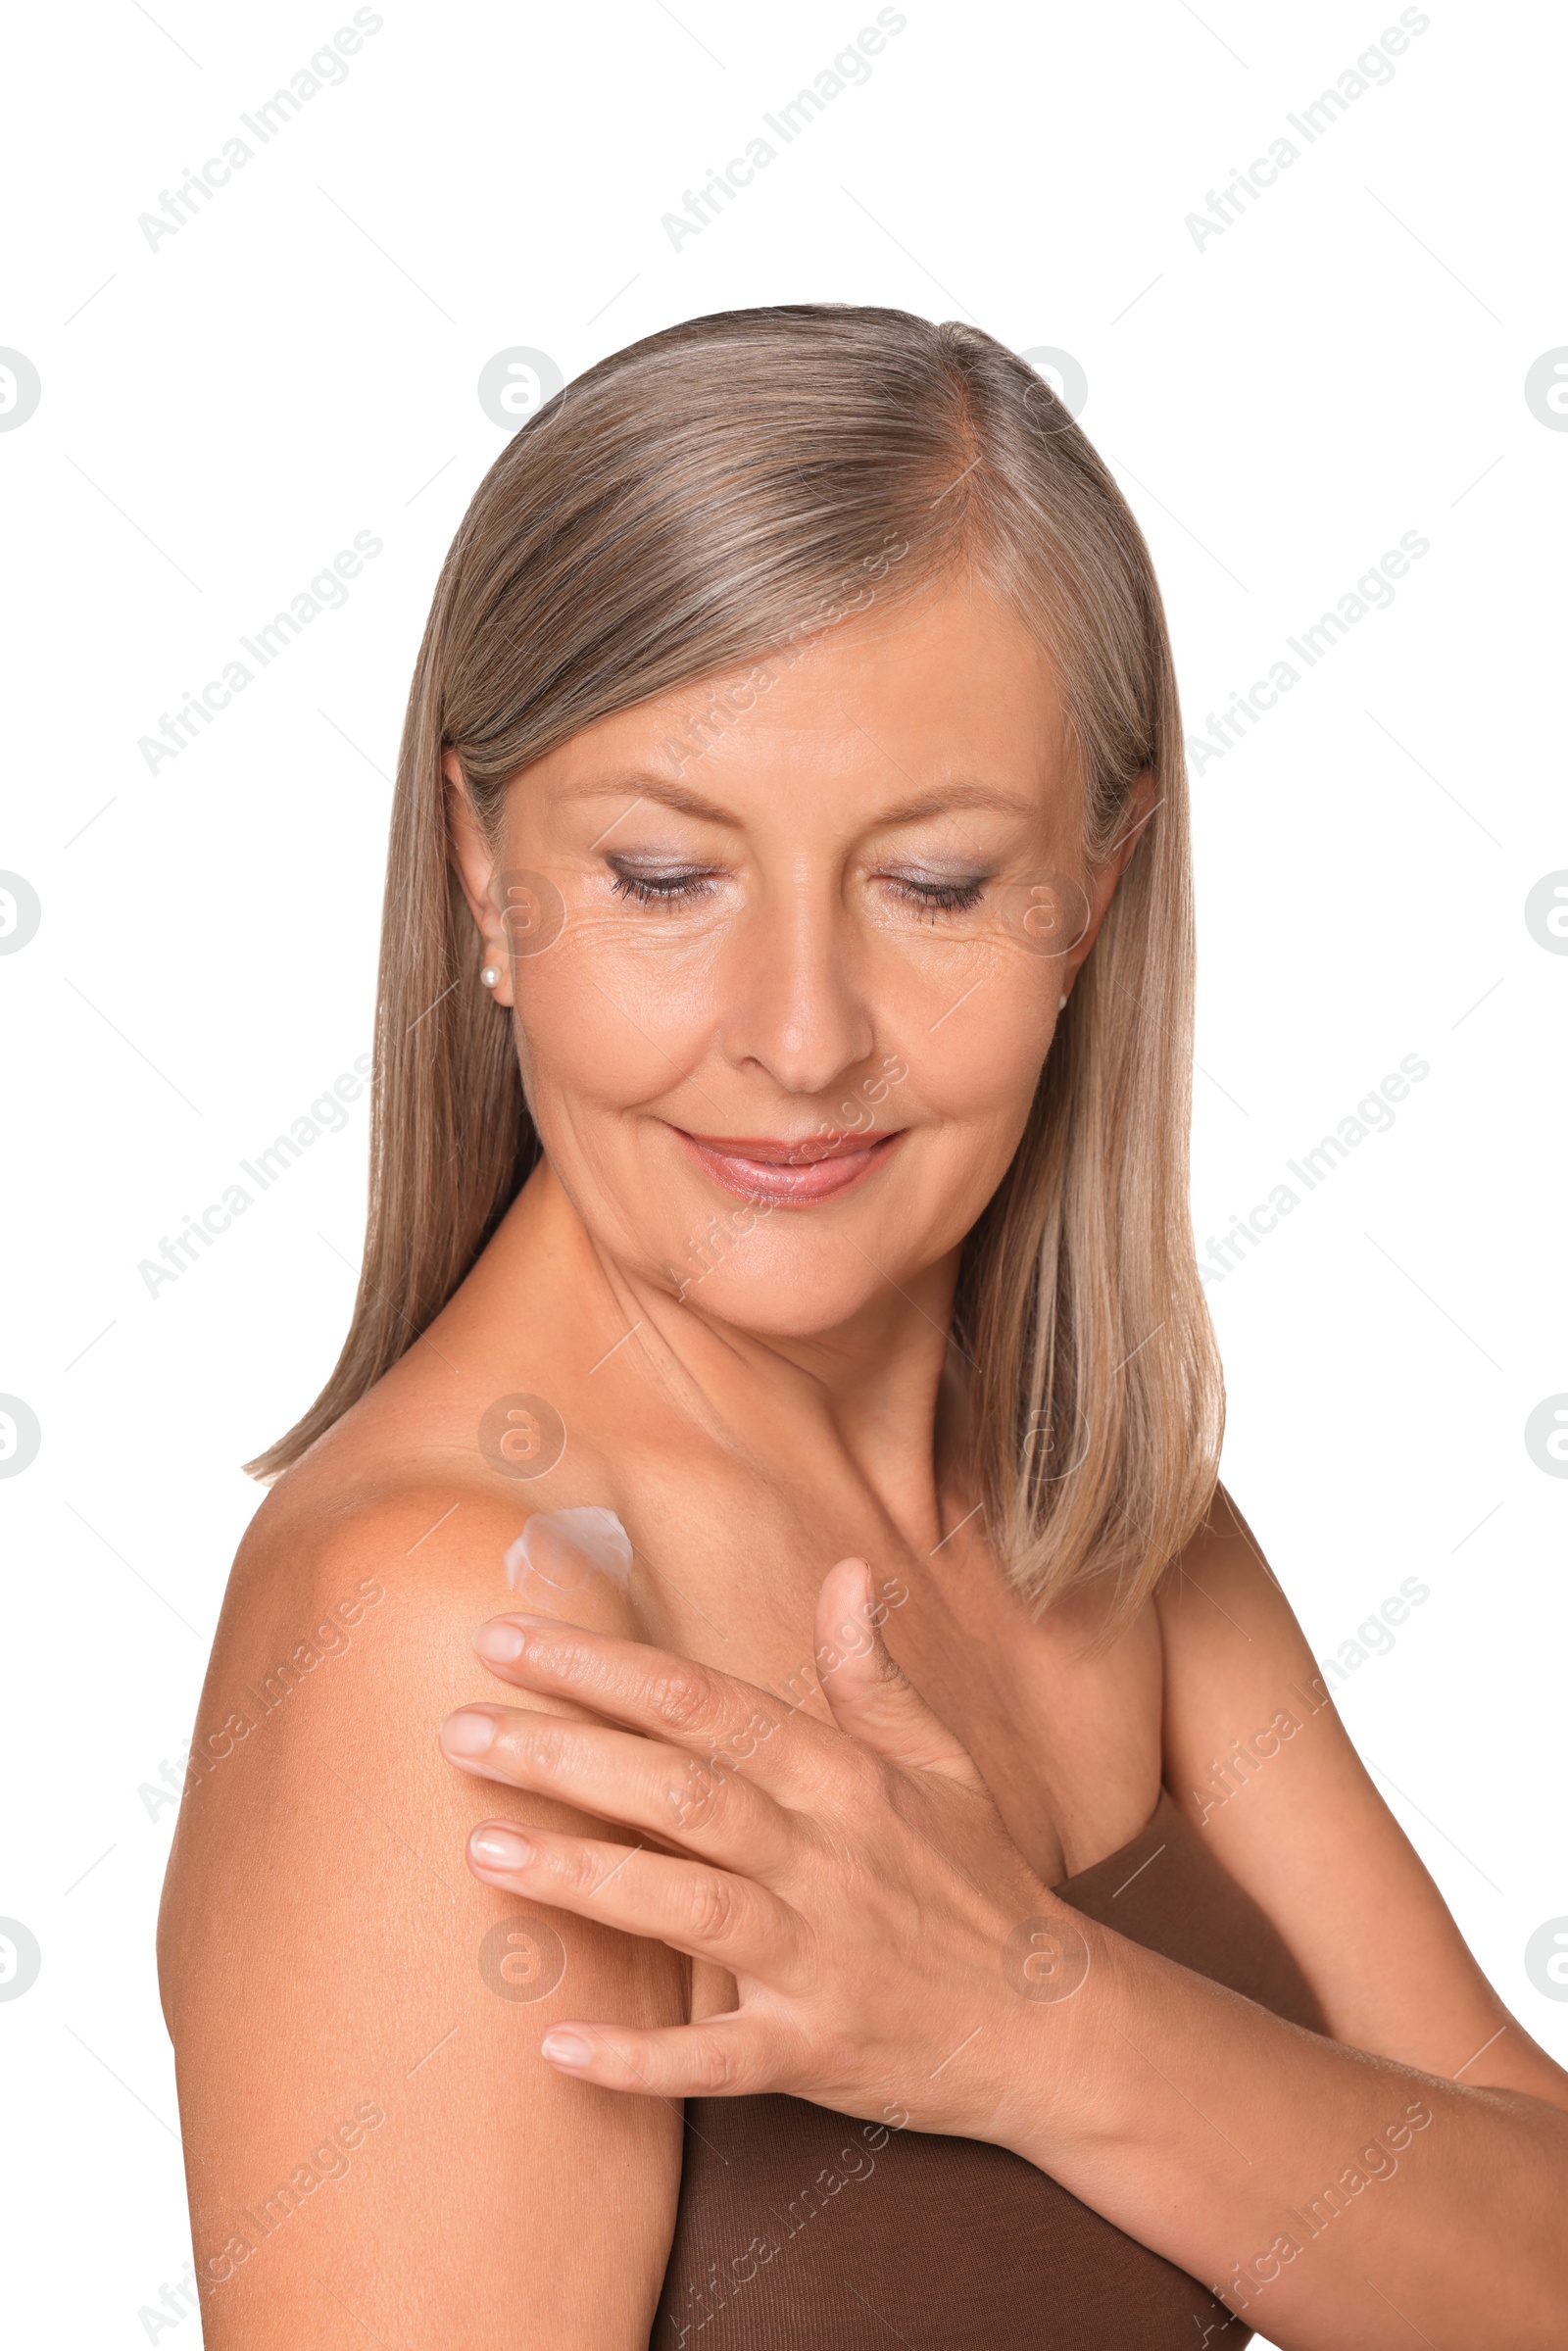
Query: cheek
x=617, y=1015
x=976, y=1057
x=616, y=1020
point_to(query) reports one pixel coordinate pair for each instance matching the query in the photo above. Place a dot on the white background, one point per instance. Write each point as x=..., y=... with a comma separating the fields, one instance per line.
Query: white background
x=220, y=415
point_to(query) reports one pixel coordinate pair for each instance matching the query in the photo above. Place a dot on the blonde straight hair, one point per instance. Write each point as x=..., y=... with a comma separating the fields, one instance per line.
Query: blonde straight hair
x=710, y=496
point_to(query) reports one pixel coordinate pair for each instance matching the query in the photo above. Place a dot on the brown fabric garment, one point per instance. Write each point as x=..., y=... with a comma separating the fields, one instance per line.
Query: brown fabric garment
x=799, y=2230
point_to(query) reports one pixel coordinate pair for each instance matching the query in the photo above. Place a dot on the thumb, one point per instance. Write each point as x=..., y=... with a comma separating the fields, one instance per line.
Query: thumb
x=871, y=1696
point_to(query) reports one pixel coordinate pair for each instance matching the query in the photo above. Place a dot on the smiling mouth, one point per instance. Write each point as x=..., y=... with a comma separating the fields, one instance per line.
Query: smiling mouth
x=778, y=1169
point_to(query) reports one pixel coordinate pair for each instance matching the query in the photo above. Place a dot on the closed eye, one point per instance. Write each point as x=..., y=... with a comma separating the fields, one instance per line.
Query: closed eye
x=667, y=886
x=932, y=896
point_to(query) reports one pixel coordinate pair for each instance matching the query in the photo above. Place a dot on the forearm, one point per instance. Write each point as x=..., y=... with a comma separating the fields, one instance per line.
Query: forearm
x=891, y=1944
x=1294, y=2175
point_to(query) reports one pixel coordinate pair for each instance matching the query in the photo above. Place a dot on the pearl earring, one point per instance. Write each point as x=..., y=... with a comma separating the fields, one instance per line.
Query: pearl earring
x=490, y=975
x=1061, y=1003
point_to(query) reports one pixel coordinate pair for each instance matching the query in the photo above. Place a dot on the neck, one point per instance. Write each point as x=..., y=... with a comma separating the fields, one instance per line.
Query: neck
x=871, y=1386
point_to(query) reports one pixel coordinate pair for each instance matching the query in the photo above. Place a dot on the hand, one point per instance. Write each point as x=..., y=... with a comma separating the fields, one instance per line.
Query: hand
x=887, y=1940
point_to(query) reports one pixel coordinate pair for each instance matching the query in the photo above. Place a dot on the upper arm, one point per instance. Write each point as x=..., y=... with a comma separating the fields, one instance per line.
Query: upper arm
x=1256, y=1754
x=372, y=2140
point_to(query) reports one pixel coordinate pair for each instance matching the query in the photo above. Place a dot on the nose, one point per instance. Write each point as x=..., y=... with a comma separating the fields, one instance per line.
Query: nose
x=798, y=1010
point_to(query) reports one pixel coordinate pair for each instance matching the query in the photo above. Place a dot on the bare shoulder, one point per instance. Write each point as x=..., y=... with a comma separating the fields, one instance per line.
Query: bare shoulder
x=355, y=2019
x=1255, y=1753
x=346, y=1629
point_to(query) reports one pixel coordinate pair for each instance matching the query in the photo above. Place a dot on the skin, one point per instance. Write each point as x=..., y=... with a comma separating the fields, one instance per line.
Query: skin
x=704, y=1760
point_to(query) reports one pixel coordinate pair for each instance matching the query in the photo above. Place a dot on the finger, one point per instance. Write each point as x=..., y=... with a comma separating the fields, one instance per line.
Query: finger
x=654, y=1690
x=725, y=2058
x=871, y=1696
x=707, y=1913
x=690, y=1800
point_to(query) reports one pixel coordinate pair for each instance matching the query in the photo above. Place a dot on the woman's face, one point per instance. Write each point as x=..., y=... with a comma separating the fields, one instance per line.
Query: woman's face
x=786, y=952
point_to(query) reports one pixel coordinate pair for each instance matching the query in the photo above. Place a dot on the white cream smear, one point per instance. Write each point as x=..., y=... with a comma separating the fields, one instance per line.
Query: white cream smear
x=562, y=1551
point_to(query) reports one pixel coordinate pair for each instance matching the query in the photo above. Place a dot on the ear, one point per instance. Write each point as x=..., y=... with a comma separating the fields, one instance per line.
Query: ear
x=475, y=868
x=1136, y=810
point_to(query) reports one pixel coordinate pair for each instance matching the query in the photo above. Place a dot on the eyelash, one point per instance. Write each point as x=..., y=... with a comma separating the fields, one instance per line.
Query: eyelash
x=938, y=898
x=682, y=889
x=661, y=890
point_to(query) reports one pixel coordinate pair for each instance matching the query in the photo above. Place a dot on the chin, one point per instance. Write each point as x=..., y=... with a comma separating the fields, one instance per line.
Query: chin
x=784, y=1301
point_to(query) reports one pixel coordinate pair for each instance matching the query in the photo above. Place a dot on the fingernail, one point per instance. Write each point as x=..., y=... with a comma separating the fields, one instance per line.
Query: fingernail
x=467, y=1733
x=501, y=1642
x=566, y=2048
x=500, y=1848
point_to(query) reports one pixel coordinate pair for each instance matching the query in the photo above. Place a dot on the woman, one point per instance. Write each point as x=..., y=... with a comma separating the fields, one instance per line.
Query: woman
x=888, y=1870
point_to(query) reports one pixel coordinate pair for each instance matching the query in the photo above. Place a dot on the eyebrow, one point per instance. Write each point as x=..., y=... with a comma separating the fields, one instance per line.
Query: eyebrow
x=650, y=787
x=940, y=801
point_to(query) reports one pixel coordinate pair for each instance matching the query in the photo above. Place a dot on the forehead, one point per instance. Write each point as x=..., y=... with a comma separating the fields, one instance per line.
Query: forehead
x=950, y=689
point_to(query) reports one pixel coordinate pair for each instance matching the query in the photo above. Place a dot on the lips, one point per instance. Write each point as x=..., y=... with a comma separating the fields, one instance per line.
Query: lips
x=774, y=1168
